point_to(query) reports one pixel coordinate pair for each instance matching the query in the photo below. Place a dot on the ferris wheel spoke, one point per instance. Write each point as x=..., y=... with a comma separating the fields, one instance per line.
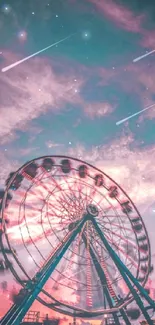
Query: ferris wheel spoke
x=80, y=197
x=76, y=189
x=123, y=252
x=54, y=206
x=80, y=194
x=94, y=239
x=38, y=182
x=62, y=191
x=109, y=218
x=34, y=192
x=64, y=274
x=112, y=216
x=92, y=194
x=86, y=197
x=64, y=203
x=72, y=198
x=120, y=227
x=74, y=252
x=56, y=249
x=59, y=221
x=56, y=215
x=123, y=239
x=58, y=207
x=32, y=241
x=98, y=244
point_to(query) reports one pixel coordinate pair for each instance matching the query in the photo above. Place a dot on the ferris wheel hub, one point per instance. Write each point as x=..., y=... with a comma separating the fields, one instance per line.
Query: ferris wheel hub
x=92, y=210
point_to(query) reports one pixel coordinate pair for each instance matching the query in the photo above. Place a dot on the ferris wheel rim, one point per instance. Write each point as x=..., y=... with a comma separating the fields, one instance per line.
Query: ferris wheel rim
x=80, y=161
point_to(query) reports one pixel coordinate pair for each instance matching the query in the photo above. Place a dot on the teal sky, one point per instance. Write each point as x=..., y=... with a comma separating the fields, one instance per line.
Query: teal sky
x=68, y=98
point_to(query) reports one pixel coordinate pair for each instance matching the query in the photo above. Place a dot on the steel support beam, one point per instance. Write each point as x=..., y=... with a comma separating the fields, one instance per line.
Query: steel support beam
x=102, y=277
x=17, y=313
x=127, y=275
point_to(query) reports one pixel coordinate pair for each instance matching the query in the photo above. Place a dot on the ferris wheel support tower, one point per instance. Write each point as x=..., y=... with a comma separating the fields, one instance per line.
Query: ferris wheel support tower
x=17, y=313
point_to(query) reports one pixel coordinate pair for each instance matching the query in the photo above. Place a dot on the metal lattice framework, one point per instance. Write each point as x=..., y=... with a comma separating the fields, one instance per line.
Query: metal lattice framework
x=77, y=241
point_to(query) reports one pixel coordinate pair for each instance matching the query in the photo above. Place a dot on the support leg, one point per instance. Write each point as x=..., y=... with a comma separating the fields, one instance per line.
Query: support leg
x=102, y=277
x=17, y=316
x=126, y=274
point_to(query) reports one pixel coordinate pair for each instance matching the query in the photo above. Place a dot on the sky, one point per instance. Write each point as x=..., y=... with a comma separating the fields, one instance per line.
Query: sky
x=68, y=98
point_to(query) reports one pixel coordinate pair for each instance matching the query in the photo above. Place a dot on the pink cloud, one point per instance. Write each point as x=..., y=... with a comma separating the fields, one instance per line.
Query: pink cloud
x=133, y=80
x=130, y=168
x=37, y=87
x=119, y=14
x=98, y=109
x=124, y=18
x=7, y=166
x=5, y=304
x=139, y=80
x=49, y=144
x=32, y=89
x=148, y=39
x=27, y=151
x=150, y=115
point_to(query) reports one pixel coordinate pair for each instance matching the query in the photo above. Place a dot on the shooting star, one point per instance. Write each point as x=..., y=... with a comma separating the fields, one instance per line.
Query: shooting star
x=11, y=66
x=143, y=56
x=128, y=118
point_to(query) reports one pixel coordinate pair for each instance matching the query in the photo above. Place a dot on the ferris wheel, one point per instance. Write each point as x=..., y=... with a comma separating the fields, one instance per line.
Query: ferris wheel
x=78, y=243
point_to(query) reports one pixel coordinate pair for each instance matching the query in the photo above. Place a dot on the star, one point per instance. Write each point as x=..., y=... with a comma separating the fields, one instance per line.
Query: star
x=86, y=35
x=6, y=8
x=22, y=36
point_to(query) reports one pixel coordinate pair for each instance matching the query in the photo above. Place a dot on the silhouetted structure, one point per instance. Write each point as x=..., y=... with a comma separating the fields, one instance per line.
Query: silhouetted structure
x=100, y=233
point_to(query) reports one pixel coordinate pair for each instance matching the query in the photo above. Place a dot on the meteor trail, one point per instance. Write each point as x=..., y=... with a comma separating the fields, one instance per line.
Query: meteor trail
x=143, y=56
x=128, y=118
x=9, y=67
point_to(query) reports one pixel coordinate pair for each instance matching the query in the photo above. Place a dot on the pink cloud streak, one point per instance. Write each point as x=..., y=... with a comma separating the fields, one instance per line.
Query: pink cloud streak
x=124, y=18
x=33, y=89
x=119, y=14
